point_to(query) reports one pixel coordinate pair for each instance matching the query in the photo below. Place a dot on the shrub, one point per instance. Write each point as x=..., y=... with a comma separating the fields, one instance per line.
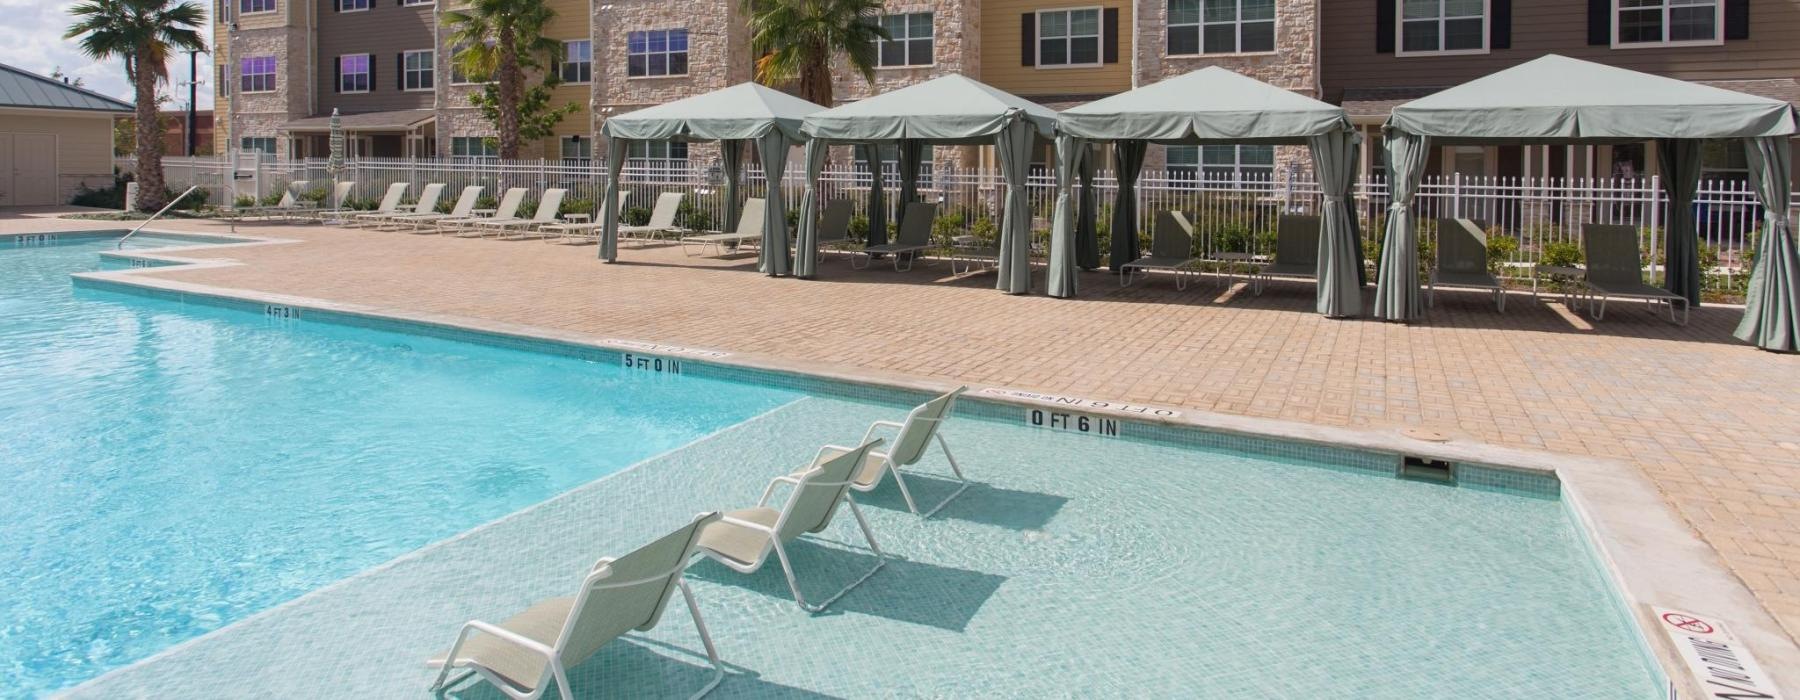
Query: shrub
x=315, y=195
x=1561, y=254
x=578, y=205
x=637, y=216
x=112, y=197
x=444, y=207
x=859, y=227
x=1500, y=249
x=946, y=227
x=244, y=201
x=486, y=201
x=276, y=191
x=986, y=232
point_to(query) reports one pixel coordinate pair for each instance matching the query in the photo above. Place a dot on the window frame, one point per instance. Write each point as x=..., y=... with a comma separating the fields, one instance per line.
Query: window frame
x=578, y=160
x=1196, y=171
x=687, y=48
x=366, y=6
x=368, y=74
x=562, y=69
x=1070, y=37
x=1200, y=24
x=909, y=42
x=1487, y=31
x=244, y=144
x=429, y=71
x=274, y=6
x=1666, y=6
x=244, y=75
x=487, y=154
x=417, y=3
x=649, y=160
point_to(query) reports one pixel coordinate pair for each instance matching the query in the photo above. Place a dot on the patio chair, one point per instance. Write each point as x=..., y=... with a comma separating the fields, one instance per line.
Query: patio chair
x=913, y=239
x=1171, y=250
x=834, y=225
x=909, y=446
x=1462, y=261
x=1296, y=252
x=531, y=652
x=339, y=193
x=548, y=209
x=662, y=220
x=1615, y=269
x=509, y=208
x=743, y=539
x=428, y=199
x=465, y=205
x=290, y=203
x=749, y=231
x=390, y=203
x=584, y=232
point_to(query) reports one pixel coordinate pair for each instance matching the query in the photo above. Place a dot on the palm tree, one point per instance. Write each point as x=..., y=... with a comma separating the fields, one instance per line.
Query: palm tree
x=501, y=40
x=143, y=33
x=799, y=39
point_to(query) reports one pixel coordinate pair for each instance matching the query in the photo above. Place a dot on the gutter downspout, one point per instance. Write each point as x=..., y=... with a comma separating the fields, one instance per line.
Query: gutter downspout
x=1318, y=42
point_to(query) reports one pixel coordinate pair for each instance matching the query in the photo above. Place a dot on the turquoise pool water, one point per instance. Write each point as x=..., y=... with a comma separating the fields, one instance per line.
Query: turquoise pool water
x=171, y=469
x=175, y=468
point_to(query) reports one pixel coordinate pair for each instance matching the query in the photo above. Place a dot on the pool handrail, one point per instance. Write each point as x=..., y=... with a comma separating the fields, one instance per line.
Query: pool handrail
x=160, y=212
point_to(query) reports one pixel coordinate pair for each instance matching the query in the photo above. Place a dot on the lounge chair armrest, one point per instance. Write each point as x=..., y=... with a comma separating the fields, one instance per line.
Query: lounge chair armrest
x=759, y=527
x=769, y=491
x=506, y=634
x=877, y=425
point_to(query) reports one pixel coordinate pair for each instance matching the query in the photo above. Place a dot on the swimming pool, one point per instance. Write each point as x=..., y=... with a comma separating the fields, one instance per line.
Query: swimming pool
x=1078, y=565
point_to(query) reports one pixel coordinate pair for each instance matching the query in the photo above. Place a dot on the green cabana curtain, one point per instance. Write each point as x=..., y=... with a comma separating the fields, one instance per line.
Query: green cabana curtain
x=1128, y=159
x=731, y=155
x=1069, y=157
x=871, y=154
x=1681, y=238
x=1772, y=304
x=772, y=149
x=911, y=152
x=1087, y=234
x=806, y=242
x=1397, y=283
x=609, y=229
x=1014, y=145
x=1356, y=234
x=1340, y=285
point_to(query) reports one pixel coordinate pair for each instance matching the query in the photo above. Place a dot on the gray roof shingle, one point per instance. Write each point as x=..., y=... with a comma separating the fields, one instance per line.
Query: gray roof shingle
x=20, y=88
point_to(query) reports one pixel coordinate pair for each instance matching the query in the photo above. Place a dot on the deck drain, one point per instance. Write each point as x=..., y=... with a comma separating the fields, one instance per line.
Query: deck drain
x=1426, y=434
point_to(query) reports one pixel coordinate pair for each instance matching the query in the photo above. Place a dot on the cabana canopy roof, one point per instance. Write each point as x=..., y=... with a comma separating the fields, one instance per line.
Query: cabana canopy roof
x=1211, y=104
x=742, y=111
x=951, y=109
x=1559, y=99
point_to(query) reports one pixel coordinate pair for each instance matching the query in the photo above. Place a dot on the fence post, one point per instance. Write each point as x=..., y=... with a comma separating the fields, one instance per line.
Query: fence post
x=1456, y=195
x=1656, y=221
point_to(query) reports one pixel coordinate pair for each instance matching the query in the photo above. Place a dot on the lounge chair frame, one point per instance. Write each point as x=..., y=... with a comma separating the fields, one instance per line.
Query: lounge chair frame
x=588, y=232
x=662, y=220
x=1296, y=252
x=1602, y=290
x=911, y=241
x=548, y=209
x=749, y=232
x=1459, y=240
x=928, y=416
x=1171, y=250
x=465, y=205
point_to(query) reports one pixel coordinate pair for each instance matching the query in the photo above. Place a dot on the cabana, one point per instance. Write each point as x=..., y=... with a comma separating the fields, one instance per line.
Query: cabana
x=947, y=111
x=733, y=115
x=1557, y=100
x=1213, y=106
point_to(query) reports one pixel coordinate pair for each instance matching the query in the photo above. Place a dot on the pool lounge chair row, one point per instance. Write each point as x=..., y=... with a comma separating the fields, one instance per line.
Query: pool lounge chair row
x=530, y=653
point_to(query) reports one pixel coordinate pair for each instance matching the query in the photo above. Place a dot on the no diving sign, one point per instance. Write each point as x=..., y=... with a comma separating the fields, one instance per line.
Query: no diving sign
x=1719, y=662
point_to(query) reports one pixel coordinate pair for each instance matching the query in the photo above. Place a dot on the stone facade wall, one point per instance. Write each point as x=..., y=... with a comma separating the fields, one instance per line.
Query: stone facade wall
x=956, y=49
x=718, y=56
x=261, y=114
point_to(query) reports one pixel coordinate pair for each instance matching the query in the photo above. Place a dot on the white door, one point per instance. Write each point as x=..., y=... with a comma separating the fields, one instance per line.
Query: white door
x=33, y=169
x=6, y=169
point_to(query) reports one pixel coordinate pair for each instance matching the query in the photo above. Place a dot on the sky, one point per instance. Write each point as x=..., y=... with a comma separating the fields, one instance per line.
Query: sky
x=31, y=39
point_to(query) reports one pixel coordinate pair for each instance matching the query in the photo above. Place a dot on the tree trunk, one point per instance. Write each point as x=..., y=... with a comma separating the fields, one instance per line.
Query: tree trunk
x=151, y=194
x=815, y=82
x=511, y=91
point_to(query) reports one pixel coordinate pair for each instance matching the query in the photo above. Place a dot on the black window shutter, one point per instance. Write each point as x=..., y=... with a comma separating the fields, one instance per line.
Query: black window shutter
x=1500, y=24
x=1028, y=39
x=1109, y=35
x=400, y=71
x=371, y=72
x=337, y=74
x=1737, y=19
x=1384, y=26
x=1600, y=22
x=337, y=5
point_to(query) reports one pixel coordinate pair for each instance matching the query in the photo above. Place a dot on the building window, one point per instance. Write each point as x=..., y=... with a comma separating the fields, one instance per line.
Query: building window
x=259, y=144
x=247, y=7
x=1443, y=26
x=1221, y=26
x=1252, y=166
x=1724, y=160
x=909, y=41
x=656, y=53
x=456, y=73
x=474, y=147
x=577, y=151
x=420, y=70
x=353, y=73
x=256, y=74
x=1667, y=22
x=410, y=3
x=353, y=5
x=657, y=153
x=1069, y=38
x=222, y=79
x=578, y=61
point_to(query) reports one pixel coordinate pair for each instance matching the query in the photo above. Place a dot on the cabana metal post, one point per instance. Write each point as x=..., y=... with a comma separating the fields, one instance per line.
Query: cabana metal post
x=1558, y=100
x=732, y=116
x=1208, y=106
x=949, y=111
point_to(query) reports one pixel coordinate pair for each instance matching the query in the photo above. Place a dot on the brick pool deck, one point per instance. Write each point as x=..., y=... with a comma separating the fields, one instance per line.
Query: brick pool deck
x=1711, y=422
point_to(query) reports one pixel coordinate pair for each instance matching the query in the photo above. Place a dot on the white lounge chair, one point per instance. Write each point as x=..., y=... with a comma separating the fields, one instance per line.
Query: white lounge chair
x=909, y=446
x=662, y=220
x=585, y=232
x=531, y=652
x=743, y=539
x=1615, y=268
x=912, y=240
x=1462, y=261
x=749, y=232
x=1296, y=252
x=428, y=199
x=290, y=203
x=509, y=207
x=547, y=210
x=1171, y=250
x=464, y=207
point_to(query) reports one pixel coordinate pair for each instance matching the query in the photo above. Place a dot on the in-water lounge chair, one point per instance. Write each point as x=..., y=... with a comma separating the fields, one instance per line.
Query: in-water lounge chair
x=1296, y=251
x=509, y=208
x=1615, y=269
x=749, y=232
x=547, y=210
x=662, y=220
x=1171, y=250
x=743, y=539
x=464, y=207
x=1462, y=261
x=909, y=446
x=586, y=232
x=532, y=651
x=911, y=241
x=428, y=199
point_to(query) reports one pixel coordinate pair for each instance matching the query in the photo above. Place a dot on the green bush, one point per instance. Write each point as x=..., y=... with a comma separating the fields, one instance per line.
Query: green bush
x=444, y=207
x=986, y=232
x=946, y=227
x=637, y=216
x=695, y=213
x=243, y=201
x=1561, y=254
x=276, y=192
x=1500, y=249
x=527, y=207
x=315, y=195
x=578, y=205
x=859, y=227
x=486, y=201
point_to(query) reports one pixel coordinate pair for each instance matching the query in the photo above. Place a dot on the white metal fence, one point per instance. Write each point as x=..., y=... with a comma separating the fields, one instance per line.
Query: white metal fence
x=1542, y=217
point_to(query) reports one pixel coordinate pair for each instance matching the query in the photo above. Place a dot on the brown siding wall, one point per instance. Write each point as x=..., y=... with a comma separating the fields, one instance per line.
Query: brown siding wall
x=384, y=31
x=1553, y=26
x=1001, y=64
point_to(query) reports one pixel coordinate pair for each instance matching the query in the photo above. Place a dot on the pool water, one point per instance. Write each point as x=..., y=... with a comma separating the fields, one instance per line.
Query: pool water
x=175, y=468
x=169, y=469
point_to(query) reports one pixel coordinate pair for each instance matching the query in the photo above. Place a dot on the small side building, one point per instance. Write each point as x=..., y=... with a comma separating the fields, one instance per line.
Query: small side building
x=54, y=138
